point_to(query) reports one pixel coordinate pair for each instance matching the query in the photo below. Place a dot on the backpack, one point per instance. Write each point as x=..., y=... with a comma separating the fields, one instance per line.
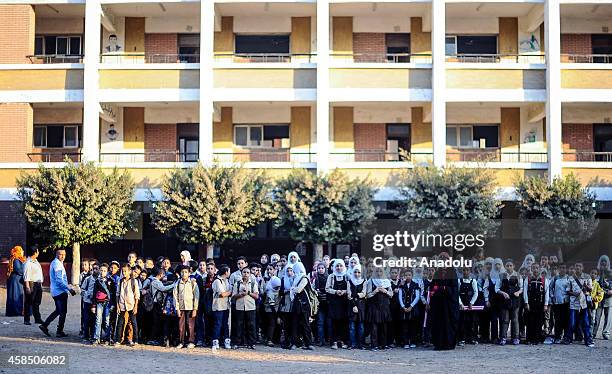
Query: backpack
x=148, y=301
x=313, y=300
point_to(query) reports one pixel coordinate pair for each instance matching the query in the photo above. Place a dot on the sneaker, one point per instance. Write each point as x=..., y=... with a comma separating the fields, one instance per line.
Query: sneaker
x=374, y=349
x=549, y=340
x=502, y=341
x=130, y=343
x=95, y=342
x=44, y=329
x=227, y=344
x=111, y=344
x=179, y=346
x=251, y=347
x=606, y=337
x=27, y=323
x=516, y=341
x=270, y=343
x=461, y=343
x=566, y=342
x=235, y=346
x=558, y=341
x=591, y=345
x=407, y=346
x=344, y=346
x=215, y=346
x=293, y=347
x=334, y=346
x=61, y=334
x=308, y=348
x=412, y=345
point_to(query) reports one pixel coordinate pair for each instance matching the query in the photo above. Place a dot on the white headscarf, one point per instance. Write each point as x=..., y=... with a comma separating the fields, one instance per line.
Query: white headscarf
x=287, y=280
x=350, y=268
x=528, y=257
x=356, y=281
x=298, y=267
x=599, y=267
x=336, y=272
x=274, y=282
x=274, y=258
x=187, y=257
x=494, y=272
x=382, y=280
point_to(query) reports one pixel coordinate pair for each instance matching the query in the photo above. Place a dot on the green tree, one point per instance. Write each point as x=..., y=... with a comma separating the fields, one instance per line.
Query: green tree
x=77, y=204
x=208, y=205
x=323, y=208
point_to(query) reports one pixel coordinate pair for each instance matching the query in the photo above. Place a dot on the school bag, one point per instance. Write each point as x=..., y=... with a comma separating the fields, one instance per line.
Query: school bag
x=148, y=300
x=313, y=300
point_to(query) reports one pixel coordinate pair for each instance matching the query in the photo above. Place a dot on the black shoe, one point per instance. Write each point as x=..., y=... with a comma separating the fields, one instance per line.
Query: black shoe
x=39, y=321
x=61, y=334
x=44, y=329
x=27, y=323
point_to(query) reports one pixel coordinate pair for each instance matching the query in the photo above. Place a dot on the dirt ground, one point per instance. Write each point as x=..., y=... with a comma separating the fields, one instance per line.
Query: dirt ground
x=17, y=338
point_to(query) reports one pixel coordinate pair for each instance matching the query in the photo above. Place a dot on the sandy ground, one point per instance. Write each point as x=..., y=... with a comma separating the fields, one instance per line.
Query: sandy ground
x=17, y=338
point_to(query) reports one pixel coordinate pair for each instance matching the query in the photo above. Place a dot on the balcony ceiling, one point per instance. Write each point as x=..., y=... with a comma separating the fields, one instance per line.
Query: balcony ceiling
x=477, y=10
x=154, y=9
x=267, y=9
x=379, y=9
x=59, y=10
x=586, y=10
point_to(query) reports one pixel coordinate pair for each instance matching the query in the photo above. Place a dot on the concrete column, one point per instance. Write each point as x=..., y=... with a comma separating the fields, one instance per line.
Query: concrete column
x=207, y=38
x=322, y=86
x=438, y=82
x=91, y=60
x=552, y=36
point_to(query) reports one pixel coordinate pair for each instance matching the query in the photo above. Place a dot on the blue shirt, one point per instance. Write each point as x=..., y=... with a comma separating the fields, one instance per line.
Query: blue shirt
x=59, y=280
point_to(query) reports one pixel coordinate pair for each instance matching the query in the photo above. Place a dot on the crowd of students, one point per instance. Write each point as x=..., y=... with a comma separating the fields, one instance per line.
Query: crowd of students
x=340, y=303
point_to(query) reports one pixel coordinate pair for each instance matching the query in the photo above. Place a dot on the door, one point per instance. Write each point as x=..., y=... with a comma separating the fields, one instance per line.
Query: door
x=398, y=47
x=602, y=141
x=601, y=45
x=398, y=141
x=189, y=149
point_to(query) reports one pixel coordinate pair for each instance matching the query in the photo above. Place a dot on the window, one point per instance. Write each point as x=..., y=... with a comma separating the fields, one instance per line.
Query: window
x=56, y=136
x=38, y=45
x=471, y=44
x=189, y=47
x=468, y=136
x=271, y=44
x=451, y=45
x=398, y=43
x=57, y=45
x=189, y=149
x=398, y=136
x=268, y=136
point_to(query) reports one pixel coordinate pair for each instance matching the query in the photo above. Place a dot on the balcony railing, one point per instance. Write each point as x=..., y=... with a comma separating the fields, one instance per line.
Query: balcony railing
x=393, y=58
x=55, y=59
x=587, y=156
x=54, y=156
x=148, y=156
x=269, y=155
x=586, y=59
x=264, y=57
x=374, y=155
x=149, y=58
x=494, y=155
x=497, y=58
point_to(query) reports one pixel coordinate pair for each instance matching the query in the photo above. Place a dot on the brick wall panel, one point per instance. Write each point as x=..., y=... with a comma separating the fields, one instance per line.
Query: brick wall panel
x=160, y=142
x=576, y=44
x=369, y=47
x=372, y=139
x=16, y=33
x=16, y=132
x=576, y=137
x=161, y=44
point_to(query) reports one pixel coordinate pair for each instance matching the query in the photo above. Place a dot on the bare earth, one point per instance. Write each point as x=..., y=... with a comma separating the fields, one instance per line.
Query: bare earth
x=17, y=338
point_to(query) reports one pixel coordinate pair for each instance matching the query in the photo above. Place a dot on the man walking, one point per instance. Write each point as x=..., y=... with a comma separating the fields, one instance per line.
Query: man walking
x=59, y=292
x=32, y=286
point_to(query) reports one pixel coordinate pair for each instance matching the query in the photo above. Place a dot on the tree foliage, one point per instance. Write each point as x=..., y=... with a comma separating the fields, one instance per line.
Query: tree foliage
x=448, y=193
x=208, y=205
x=78, y=203
x=322, y=208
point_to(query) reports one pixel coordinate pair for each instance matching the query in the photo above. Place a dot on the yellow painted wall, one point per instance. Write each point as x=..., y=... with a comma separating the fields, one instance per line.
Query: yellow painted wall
x=265, y=78
x=300, y=35
x=133, y=127
x=420, y=132
x=508, y=36
x=495, y=79
x=134, y=35
x=510, y=128
x=223, y=132
x=224, y=39
x=58, y=115
x=586, y=78
x=420, y=42
x=300, y=128
x=54, y=79
x=601, y=177
x=379, y=177
x=342, y=41
x=142, y=79
x=380, y=78
x=343, y=127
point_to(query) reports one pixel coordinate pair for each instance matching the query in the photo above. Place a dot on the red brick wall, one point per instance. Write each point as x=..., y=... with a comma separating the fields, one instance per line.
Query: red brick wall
x=370, y=137
x=161, y=44
x=371, y=44
x=576, y=137
x=12, y=227
x=160, y=138
x=15, y=132
x=16, y=33
x=577, y=44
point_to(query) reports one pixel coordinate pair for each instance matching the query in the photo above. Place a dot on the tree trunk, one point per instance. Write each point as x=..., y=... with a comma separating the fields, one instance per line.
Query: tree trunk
x=318, y=252
x=76, y=263
x=201, y=252
x=210, y=250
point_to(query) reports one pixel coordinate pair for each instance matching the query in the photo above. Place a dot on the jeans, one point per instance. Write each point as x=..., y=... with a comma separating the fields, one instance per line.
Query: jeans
x=582, y=317
x=86, y=319
x=561, y=318
x=200, y=324
x=245, y=327
x=102, y=320
x=607, y=320
x=220, y=328
x=510, y=317
x=32, y=302
x=323, y=324
x=61, y=308
x=356, y=333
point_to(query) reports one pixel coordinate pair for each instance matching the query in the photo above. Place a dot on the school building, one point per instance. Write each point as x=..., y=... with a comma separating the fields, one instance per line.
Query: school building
x=523, y=87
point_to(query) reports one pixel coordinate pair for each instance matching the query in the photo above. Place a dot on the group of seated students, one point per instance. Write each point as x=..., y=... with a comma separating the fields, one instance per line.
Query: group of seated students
x=342, y=304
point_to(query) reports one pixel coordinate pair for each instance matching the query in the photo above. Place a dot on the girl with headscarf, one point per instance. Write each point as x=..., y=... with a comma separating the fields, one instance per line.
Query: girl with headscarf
x=337, y=298
x=494, y=269
x=603, y=264
x=294, y=259
x=356, y=311
x=285, y=297
x=604, y=308
x=14, y=288
x=528, y=261
x=323, y=322
x=185, y=258
x=353, y=261
x=378, y=311
x=444, y=309
x=270, y=305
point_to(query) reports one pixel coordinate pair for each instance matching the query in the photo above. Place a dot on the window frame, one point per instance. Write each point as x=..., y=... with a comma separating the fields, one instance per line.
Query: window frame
x=44, y=129
x=256, y=125
x=68, y=38
x=64, y=127
x=471, y=127
x=76, y=136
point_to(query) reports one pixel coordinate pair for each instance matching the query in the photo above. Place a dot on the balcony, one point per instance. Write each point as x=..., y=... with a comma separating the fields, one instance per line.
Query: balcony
x=150, y=58
x=245, y=58
x=497, y=58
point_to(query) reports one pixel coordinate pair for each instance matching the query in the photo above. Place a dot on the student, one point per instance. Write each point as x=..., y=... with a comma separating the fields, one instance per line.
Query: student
x=131, y=259
x=294, y=259
x=285, y=305
x=263, y=260
x=87, y=294
x=356, y=311
x=241, y=263
x=301, y=312
x=104, y=292
x=323, y=321
x=186, y=296
x=160, y=328
x=604, y=307
x=32, y=287
x=204, y=320
x=378, y=312
x=128, y=295
x=245, y=293
x=577, y=289
x=427, y=281
x=536, y=297
x=85, y=272
x=336, y=288
x=220, y=308
x=468, y=294
x=494, y=301
x=444, y=307
x=510, y=288
x=597, y=295
x=409, y=296
x=394, y=329
x=270, y=306
x=560, y=303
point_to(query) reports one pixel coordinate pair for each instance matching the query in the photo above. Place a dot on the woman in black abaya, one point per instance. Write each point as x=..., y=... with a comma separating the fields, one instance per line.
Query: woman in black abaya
x=444, y=309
